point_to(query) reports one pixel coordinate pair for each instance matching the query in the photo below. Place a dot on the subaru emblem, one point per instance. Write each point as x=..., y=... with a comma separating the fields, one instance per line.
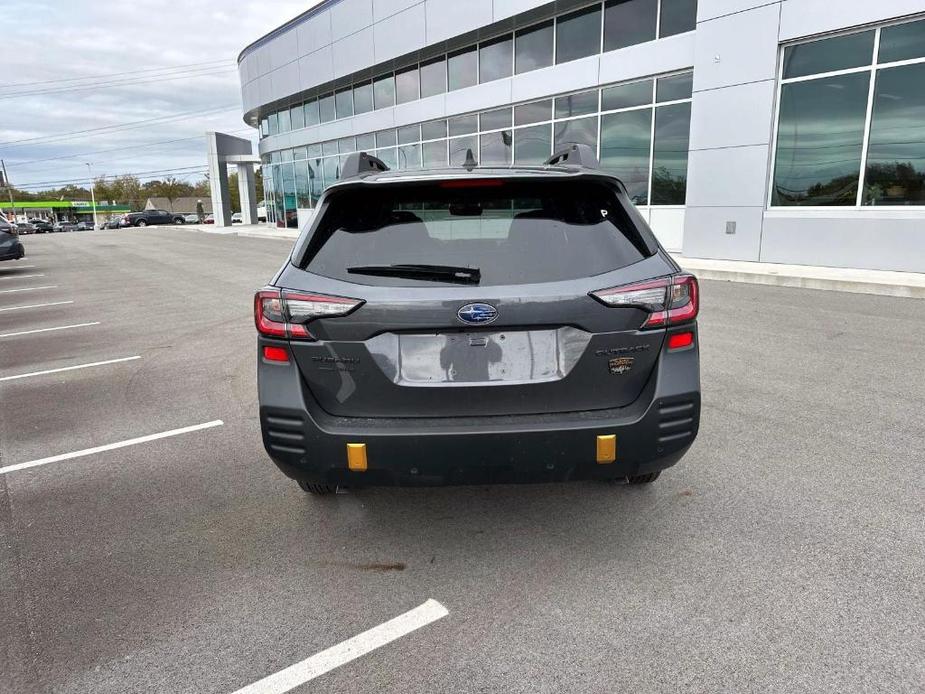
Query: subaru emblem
x=477, y=314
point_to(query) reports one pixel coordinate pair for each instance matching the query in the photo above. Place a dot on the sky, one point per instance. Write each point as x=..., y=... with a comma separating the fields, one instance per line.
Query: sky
x=87, y=65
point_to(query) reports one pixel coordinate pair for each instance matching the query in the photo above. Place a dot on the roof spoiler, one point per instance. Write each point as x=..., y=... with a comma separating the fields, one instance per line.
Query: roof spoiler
x=574, y=155
x=361, y=164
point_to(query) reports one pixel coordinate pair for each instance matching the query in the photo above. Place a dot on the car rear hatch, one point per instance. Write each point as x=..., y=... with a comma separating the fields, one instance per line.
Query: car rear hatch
x=474, y=297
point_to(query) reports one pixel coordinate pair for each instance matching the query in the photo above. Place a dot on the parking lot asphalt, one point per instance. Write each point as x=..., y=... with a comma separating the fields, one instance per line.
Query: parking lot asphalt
x=786, y=552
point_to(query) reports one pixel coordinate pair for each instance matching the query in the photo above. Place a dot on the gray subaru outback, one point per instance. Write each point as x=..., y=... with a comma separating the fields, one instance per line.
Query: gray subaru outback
x=477, y=325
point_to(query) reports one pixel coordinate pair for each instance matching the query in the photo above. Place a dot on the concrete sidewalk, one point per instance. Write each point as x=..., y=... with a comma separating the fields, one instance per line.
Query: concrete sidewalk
x=903, y=284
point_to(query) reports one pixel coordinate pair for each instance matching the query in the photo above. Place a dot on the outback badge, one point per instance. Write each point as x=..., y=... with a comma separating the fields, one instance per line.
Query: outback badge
x=620, y=365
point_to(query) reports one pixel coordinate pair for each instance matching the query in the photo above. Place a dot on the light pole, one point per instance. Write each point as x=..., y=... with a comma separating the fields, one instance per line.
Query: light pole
x=92, y=195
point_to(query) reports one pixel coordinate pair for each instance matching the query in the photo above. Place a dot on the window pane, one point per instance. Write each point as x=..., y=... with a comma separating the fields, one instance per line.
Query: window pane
x=576, y=104
x=366, y=143
x=577, y=132
x=314, y=151
x=297, y=117
x=578, y=34
x=495, y=120
x=496, y=149
x=273, y=124
x=462, y=69
x=264, y=128
x=409, y=157
x=819, y=139
x=532, y=145
x=326, y=108
x=328, y=148
x=533, y=48
x=388, y=156
x=409, y=134
x=838, y=53
x=435, y=155
x=628, y=22
x=386, y=138
x=896, y=155
x=669, y=167
x=286, y=155
x=674, y=88
x=460, y=146
x=284, y=123
x=316, y=180
x=331, y=170
x=626, y=95
x=433, y=77
x=902, y=42
x=302, y=186
x=533, y=113
x=433, y=130
x=406, y=85
x=363, y=98
x=463, y=125
x=311, y=113
x=345, y=145
x=678, y=16
x=384, y=92
x=299, y=153
x=496, y=59
x=344, y=103
x=625, y=139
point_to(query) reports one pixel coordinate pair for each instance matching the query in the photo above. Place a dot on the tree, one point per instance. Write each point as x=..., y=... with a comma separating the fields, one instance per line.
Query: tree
x=234, y=193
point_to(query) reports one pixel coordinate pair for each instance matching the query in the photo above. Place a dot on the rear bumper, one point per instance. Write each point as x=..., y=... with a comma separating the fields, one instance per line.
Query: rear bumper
x=13, y=252
x=651, y=434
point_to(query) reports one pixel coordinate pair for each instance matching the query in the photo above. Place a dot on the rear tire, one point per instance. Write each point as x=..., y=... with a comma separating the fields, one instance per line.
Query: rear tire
x=316, y=489
x=141, y=223
x=648, y=478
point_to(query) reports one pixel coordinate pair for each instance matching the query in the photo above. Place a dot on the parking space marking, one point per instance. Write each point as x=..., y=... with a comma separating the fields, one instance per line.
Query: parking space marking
x=21, y=277
x=109, y=447
x=20, y=308
x=18, y=267
x=28, y=289
x=351, y=649
x=48, y=330
x=69, y=368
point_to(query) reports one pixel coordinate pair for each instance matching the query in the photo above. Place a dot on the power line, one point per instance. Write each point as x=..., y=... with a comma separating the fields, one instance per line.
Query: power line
x=111, y=149
x=138, y=174
x=113, y=74
x=4, y=97
x=107, y=129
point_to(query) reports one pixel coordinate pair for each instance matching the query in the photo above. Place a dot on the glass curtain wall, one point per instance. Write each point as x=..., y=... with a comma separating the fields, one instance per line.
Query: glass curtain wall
x=851, y=120
x=639, y=131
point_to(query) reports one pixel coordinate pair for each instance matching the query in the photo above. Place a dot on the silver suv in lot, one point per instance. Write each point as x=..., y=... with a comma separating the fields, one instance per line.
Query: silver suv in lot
x=477, y=325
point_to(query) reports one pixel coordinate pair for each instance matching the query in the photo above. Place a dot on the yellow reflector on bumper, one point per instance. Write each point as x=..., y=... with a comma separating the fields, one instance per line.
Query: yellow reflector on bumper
x=356, y=457
x=606, y=449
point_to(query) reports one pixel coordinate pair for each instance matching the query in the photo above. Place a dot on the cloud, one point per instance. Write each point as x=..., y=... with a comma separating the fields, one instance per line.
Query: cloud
x=142, y=41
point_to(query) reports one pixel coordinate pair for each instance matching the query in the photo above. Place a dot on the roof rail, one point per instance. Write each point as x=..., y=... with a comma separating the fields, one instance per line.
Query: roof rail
x=574, y=155
x=361, y=164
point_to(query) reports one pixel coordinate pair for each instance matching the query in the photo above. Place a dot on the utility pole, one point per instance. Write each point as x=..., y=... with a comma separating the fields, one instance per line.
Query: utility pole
x=9, y=188
x=92, y=196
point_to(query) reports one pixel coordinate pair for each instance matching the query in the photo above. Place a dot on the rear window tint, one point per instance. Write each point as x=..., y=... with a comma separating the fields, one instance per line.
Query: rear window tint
x=514, y=232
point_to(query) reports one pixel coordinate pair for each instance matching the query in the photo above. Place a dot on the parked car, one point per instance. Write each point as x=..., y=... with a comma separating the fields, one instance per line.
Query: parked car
x=237, y=218
x=477, y=325
x=84, y=226
x=64, y=226
x=191, y=219
x=24, y=228
x=43, y=227
x=112, y=223
x=210, y=219
x=262, y=211
x=150, y=217
x=11, y=247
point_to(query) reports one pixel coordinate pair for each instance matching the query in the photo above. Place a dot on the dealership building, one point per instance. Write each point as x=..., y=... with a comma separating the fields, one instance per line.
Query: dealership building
x=783, y=131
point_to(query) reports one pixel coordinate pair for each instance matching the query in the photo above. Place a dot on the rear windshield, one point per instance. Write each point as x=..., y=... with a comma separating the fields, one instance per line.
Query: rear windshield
x=512, y=232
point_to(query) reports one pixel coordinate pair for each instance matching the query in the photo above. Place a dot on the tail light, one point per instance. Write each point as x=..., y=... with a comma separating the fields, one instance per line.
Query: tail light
x=669, y=300
x=286, y=314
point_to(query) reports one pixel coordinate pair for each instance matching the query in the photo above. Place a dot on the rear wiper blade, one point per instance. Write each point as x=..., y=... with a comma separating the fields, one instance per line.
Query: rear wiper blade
x=437, y=273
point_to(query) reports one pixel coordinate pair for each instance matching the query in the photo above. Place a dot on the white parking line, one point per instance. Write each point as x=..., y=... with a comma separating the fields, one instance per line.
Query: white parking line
x=69, y=368
x=20, y=308
x=18, y=267
x=28, y=289
x=109, y=447
x=348, y=650
x=48, y=330
x=21, y=277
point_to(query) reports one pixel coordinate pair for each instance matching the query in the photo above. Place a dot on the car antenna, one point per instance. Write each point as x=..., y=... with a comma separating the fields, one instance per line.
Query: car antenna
x=470, y=162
